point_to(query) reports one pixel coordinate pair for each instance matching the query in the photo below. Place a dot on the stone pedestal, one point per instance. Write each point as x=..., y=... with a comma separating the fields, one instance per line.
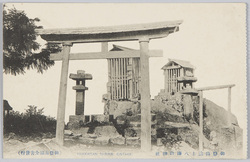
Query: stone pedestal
x=187, y=93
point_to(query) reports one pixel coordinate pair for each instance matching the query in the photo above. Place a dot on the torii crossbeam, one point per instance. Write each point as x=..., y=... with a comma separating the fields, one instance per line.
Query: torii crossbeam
x=137, y=32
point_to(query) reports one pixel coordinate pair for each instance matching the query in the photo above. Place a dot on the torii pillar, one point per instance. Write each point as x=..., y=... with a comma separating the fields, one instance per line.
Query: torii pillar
x=62, y=94
x=145, y=96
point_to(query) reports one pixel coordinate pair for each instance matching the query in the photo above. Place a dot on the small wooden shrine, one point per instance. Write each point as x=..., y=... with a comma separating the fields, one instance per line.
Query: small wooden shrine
x=123, y=76
x=177, y=74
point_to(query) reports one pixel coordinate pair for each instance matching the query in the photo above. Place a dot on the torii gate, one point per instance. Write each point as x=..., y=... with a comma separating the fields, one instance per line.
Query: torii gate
x=137, y=32
x=201, y=108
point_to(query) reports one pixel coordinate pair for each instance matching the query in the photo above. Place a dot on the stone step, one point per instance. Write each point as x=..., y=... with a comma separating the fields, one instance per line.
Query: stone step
x=177, y=125
x=138, y=124
x=135, y=118
x=133, y=123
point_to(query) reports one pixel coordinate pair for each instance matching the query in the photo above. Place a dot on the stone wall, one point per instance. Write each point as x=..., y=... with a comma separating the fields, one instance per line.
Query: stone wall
x=121, y=125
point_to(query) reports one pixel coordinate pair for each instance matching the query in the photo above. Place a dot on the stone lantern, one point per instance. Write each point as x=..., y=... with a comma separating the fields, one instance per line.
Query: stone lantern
x=80, y=88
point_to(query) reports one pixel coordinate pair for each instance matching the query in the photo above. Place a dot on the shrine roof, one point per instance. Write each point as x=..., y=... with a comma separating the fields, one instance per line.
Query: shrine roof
x=185, y=64
x=121, y=48
x=110, y=33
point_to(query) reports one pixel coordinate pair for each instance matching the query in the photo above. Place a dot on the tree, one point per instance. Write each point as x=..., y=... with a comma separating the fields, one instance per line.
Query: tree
x=19, y=44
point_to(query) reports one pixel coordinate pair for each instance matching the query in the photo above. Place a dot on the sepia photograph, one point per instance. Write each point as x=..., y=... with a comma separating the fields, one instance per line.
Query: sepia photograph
x=124, y=80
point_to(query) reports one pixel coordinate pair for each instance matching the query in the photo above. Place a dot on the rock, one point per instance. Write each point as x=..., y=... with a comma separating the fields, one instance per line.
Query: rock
x=135, y=124
x=159, y=107
x=112, y=106
x=73, y=125
x=24, y=139
x=230, y=138
x=11, y=135
x=117, y=140
x=105, y=97
x=130, y=132
x=37, y=139
x=76, y=121
x=69, y=142
x=216, y=116
x=136, y=108
x=100, y=118
x=108, y=131
x=158, y=99
x=74, y=136
x=159, y=142
x=120, y=107
x=84, y=140
x=68, y=133
x=93, y=136
x=183, y=146
x=102, y=141
x=134, y=118
x=13, y=142
x=82, y=130
x=12, y=145
x=120, y=122
x=78, y=135
x=135, y=141
x=48, y=135
x=190, y=135
x=162, y=118
x=153, y=131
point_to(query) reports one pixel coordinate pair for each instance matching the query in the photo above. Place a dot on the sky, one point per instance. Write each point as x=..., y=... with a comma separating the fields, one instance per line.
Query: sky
x=212, y=37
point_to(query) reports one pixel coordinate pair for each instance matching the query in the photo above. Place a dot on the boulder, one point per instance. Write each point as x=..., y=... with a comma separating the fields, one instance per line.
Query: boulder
x=68, y=133
x=189, y=136
x=130, y=132
x=117, y=108
x=134, y=141
x=117, y=140
x=107, y=131
x=100, y=118
x=216, y=116
x=93, y=136
x=77, y=121
x=102, y=140
x=82, y=130
x=230, y=138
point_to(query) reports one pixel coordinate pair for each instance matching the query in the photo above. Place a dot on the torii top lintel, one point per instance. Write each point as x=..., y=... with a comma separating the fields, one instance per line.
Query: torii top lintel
x=110, y=33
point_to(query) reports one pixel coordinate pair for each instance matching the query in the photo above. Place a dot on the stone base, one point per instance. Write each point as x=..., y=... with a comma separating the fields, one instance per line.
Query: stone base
x=102, y=141
x=106, y=131
x=78, y=118
x=77, y=121
x=134, y=141
x=119, y=140
x=102, y=118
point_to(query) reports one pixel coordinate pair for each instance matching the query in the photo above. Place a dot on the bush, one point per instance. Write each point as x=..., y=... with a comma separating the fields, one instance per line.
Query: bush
x=30, y=123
